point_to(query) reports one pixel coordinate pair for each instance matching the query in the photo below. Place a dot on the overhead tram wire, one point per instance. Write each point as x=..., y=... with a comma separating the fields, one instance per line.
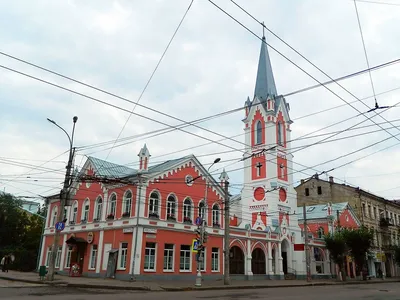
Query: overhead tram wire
x=151, y=76
x=300, y=68
x=166, y=130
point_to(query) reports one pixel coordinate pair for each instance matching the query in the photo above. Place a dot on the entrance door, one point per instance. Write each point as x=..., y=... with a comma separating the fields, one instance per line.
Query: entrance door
x=284, y=262
x=112, y=264
x=258, y=262
x=236, y=261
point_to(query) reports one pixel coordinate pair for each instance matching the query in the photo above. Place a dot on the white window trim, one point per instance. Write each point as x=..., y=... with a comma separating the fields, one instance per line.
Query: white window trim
x=173, y=260
x=191, y=209
x=174, y=204
x=48, y=254
x=54, y=215
x=190, y=261
x=204, y=209
x=86, y=202
x=96, y=209
x=110, y=203
x=57, y=263
x=91, y=257
x=158, y=204
x=124, y=201
x=120, y=256
x=73, y=213
x=68, y=250
x=218, y=213
x=204, y=262
x=218, y=260
x=155, y=259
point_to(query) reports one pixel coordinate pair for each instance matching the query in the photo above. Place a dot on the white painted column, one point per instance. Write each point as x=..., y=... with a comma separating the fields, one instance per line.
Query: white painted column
x=327, y=267
x=105, y=206
x=64, y=247
x=280, y=259
x=42, y=250
x=270, y=270
x=100, y=251
x=249, y=271
x=138, y=257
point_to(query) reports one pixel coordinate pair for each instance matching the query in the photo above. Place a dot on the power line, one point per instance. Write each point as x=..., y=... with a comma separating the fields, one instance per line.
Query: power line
x=151, y=77
x=300, y=68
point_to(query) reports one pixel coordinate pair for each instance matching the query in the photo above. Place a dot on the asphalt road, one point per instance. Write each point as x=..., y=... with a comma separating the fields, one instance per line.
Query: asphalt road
x=382, y=291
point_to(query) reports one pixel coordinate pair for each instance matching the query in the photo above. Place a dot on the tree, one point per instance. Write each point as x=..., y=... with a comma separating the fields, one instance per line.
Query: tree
x=336, y=245
x=397, y=255
x=359, y=242
x=20, y=233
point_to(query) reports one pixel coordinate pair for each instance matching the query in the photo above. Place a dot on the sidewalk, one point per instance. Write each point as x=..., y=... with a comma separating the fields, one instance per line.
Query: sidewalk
x=102, y=283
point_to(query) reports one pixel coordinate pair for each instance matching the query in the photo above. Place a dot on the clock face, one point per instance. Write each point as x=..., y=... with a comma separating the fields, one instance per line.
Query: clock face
x=259, y=194
x=189, y=180
x=282, y=195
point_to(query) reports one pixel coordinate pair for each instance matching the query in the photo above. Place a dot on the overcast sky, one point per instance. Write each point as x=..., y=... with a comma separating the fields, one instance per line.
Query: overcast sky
x=209, y=68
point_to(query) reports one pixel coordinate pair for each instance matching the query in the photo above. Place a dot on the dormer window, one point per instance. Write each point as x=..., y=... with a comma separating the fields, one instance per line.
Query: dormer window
x=258, y=133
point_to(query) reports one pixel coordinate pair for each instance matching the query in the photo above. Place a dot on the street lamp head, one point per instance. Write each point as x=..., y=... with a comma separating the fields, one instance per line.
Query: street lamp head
x=75, y=119
x=217, y=160
x=51, y=121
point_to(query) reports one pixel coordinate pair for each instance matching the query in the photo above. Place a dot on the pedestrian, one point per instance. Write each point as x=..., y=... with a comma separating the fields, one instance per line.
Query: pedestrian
x=2, y=263
x=6, y=263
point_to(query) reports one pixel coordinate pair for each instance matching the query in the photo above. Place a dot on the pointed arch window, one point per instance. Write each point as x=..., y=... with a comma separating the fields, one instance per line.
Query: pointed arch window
x=127, y=204
x=216, y=216
x=171, y=206
x=112, y=206
x=98, y=209
x=258, y=133
x=280, y=133
x=54, y=216
x=85, y=211
x=74, y=212
x=187, y=211
x=321, y=233
x=154, y=204
x=202, y=210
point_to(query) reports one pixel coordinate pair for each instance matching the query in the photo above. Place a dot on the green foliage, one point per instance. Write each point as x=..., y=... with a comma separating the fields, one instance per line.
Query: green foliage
x=20, y=233
x=358, y=241
x=336, y=245
x=397, y=255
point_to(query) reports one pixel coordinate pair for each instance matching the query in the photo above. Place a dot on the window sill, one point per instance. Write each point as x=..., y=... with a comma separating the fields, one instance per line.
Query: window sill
x=92, y=269
x=215, y=271
x=67, y=267
x=185, y=271
x=168, y=271
x=121, y=269
x=149, y=271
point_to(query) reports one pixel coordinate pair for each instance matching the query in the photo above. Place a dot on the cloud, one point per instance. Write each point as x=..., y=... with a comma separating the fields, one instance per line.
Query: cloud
x=209, y=68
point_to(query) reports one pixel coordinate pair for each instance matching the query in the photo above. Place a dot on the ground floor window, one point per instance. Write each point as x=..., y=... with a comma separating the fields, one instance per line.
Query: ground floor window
x=123, y=254
x=169, y=257
x=58, y=257
x=185, y=257
x=48, y=256
x=93, y=257
x=150, y=257
x=68, y=258
x=203, y=260
x=215, y=260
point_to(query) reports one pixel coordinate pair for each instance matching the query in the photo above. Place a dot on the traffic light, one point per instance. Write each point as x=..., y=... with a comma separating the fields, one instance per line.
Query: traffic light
x=205, y=237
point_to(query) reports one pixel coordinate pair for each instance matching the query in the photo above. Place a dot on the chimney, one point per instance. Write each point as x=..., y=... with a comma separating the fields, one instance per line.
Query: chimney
x=301, y=181
x=331, y=179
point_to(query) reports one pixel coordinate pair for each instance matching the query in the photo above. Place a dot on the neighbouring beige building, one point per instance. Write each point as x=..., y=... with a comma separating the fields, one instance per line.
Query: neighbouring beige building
x=377, y=213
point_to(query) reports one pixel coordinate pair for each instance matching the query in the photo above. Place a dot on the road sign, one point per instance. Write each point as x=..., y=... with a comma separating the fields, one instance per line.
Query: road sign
x=198, y=221
x=195, y=245
x=60, y=226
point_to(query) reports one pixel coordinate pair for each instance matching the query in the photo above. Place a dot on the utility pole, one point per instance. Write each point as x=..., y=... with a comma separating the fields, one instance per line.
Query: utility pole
x=139, y=186
x=306, y=246
x=64, y=195
x=226, y=236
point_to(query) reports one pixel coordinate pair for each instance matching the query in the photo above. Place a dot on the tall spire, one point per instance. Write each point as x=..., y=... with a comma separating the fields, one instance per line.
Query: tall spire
x=265, y=83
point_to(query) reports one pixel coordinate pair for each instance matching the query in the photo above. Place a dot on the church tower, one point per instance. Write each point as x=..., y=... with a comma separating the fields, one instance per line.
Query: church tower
x=268, y=198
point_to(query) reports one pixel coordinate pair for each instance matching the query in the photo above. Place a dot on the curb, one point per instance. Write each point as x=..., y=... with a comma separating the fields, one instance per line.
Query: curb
x=79, y=285
x=248, y=287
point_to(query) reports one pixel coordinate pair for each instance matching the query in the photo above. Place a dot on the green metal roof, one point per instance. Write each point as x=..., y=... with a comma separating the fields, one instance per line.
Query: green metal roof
x=320, y=211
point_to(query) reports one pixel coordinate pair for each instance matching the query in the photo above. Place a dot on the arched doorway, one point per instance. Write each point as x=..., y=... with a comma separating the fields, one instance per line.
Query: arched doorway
x=236, y=260
x=285, y=256
x=258, y=261
x=319, y=260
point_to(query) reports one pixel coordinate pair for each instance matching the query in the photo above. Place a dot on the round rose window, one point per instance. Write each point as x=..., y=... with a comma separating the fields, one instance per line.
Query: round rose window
x=282, y=194
x=259, y=194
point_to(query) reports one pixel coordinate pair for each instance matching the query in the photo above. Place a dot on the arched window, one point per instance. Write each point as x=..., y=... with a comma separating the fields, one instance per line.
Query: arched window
x=258, y=133
x=74, y=212
x=112, y=206
x=171, y=205
x=321, y=233
x=85, y=211
x=54, y=216
x=280, y=133
x=215, y=216
x=98, y=209
x=65, y=216
x=154, y=203
x=127, y=204
x=202, y=210
x=187, y=211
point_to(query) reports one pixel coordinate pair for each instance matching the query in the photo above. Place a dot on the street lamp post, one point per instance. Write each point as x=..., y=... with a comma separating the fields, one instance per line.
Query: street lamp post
x=204, y=223
x=63, y=198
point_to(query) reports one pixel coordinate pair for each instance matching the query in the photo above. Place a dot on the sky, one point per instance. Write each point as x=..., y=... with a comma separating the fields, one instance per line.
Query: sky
x=209, y=68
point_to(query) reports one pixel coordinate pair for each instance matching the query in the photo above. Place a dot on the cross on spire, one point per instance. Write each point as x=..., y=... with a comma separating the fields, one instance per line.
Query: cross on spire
x=263, y=26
